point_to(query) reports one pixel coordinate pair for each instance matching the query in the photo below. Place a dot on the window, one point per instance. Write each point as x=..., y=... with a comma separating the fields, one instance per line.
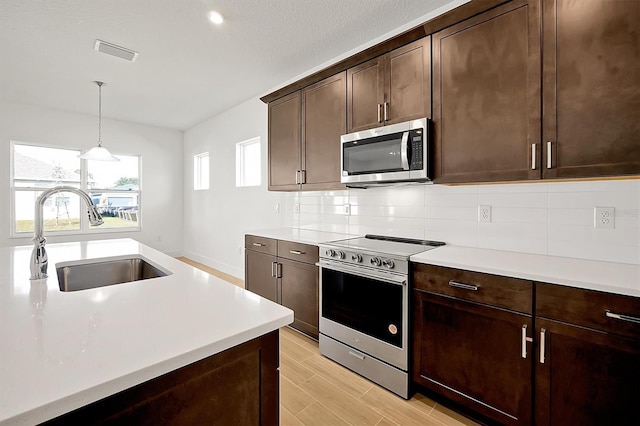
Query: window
x=248, y=162
x=113, y=187
x=201, y=171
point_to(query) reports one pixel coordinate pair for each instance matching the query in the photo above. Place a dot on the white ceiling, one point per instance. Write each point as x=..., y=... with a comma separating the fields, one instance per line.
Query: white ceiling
x=188, y=69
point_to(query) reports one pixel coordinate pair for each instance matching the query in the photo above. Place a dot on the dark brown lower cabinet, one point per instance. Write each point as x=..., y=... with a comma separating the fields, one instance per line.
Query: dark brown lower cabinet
x=474, y=354
x=260, y=276
x=585, y=376
x=299, y=284
x=239, y=386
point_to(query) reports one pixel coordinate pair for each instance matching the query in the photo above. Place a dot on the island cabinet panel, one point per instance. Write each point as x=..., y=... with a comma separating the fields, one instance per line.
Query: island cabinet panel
x=239, y=386
x=486, y=96
x=287, y=274
x=324, y=120
x=391, y=88
x=587, y=363
x=467, y=348
x=591, y=97
x=285, y=142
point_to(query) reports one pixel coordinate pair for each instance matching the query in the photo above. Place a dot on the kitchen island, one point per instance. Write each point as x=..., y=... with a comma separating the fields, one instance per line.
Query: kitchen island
x=61, y=351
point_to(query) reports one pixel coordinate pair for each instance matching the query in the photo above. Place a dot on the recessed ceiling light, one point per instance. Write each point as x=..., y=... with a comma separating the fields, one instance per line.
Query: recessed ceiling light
x=215, y=17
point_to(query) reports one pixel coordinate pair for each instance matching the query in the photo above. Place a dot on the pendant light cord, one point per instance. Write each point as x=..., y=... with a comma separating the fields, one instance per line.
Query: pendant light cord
x=99, y=83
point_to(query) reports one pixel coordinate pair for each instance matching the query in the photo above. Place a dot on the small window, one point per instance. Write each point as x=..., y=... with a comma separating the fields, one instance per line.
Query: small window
x=201, y=171
x=248, y=163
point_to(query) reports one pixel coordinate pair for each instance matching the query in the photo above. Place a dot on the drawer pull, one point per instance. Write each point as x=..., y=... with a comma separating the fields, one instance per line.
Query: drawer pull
x=357, y=355
x=258, y=244
x=298, y=252
x=274, y=269
x=456, y=284
x=524, y=341
x=543, y=334
x=622, y=317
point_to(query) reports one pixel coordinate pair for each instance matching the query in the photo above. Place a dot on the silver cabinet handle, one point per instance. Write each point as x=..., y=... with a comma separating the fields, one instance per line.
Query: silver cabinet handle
x=258, y=244
x=298, y=252
x=548, y=154
x=297, y=177
x=278, y=270
x=386, y=111
x=533, y=156
x=273, y=269
x=456, y=284
x=543, y=333
x=524, y=341
x=379, y=106
x=303, y=176
x=357, y=355
x=622, y=317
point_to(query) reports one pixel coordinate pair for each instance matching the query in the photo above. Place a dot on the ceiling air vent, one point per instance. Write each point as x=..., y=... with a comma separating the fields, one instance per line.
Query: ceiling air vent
x=114, y=50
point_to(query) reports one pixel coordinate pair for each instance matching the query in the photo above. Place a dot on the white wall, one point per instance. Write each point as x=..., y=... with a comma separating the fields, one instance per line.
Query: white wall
x=161, y=151
x=554, y=218
x=215, y=220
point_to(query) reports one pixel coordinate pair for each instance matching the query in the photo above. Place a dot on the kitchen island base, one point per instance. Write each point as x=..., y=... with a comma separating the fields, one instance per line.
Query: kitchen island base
x=238, y=386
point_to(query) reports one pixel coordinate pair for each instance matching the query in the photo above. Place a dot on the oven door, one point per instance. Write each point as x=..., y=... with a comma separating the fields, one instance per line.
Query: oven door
x=365, y=309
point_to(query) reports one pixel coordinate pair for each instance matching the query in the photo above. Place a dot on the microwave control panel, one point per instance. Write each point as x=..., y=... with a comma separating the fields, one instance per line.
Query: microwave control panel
x=416, y=156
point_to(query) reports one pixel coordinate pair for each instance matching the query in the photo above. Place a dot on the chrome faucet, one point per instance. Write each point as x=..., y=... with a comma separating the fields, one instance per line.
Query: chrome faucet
x=39, y=259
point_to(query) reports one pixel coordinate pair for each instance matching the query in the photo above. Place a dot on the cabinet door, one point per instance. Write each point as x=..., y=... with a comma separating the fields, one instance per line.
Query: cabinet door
x=365, y=95
x=324, y=120
x=473, y=354
x=408, y=82
x=486, y=96
x=284, y=142
x=259, y=275
x=591, y=88
x=299, y=287
x=586, y=377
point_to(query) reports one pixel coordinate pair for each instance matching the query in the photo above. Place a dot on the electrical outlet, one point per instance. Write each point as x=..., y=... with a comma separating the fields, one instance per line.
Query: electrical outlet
x=604, y=217
x=296, y=208
x=484, y=214
x=277, y=207
x=347, y=209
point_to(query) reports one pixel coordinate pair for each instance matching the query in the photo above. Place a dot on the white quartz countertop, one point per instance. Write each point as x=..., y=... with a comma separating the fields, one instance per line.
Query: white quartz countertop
x=306, y=236
x=62, y=350
x=619, y=278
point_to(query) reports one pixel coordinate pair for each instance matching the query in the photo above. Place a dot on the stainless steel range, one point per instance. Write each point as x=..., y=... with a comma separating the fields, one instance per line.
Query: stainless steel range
x=364, y=306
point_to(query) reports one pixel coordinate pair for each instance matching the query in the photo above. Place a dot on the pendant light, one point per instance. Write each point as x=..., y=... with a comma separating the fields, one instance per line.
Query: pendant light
x=99, y=152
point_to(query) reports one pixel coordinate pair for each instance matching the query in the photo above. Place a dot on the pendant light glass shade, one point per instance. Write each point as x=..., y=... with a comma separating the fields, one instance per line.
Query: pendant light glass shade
x=99, y=152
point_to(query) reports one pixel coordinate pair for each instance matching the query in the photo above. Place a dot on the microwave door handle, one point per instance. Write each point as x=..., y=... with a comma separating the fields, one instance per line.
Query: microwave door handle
x=404, y=151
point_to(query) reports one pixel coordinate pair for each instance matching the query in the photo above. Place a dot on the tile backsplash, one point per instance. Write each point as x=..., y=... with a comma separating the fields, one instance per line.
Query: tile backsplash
x=555, y=218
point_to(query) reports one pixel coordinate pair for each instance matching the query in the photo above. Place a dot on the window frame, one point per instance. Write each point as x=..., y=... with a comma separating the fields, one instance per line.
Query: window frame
x=85, y=228
x=198, y=179
x=241, y=163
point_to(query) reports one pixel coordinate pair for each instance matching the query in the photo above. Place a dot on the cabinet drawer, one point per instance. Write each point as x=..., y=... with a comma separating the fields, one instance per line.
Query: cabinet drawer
x=495, y=290
x=589, y=308
x=297, y=251
x=261, y=244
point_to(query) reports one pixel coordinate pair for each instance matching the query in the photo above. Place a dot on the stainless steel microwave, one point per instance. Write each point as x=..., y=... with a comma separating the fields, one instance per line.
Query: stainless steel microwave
x=388, y=154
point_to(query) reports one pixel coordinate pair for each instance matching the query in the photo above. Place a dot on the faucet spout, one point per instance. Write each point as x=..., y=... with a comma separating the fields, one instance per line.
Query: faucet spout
x=39, y=258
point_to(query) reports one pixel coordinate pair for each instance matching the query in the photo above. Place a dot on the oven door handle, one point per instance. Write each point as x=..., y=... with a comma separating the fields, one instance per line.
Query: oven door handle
x=397, y=280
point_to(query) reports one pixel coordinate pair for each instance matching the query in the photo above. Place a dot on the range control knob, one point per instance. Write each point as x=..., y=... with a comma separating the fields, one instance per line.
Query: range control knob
x=388, y=263
x=375, y=261
x=330, y=252
x=356, y=258
x=340, y=254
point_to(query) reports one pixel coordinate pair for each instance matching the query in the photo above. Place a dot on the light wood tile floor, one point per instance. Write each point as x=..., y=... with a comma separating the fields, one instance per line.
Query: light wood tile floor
x=316, y=391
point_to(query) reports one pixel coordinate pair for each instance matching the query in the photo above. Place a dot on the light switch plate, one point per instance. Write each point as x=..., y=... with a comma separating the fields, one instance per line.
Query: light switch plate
x=347, y=209
x=296, y=208
x=604, y=217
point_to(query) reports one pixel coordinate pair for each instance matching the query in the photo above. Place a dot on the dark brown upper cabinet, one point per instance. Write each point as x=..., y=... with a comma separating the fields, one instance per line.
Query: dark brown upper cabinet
x=486, y=96
x=304, y=136
x=591, y=96
x=284, y=143
x=324, y=120
x=391, y=88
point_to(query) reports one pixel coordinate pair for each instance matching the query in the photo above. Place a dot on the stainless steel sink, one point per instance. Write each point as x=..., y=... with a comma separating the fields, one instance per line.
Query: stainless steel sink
x=82, y=275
